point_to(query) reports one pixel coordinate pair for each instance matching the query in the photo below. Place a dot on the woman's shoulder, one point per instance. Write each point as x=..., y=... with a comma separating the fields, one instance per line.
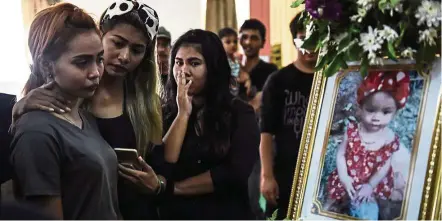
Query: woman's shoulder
x=40, y=121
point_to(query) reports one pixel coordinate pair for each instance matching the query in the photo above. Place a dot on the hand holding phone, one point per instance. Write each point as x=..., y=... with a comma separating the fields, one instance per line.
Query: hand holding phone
x=127, y=157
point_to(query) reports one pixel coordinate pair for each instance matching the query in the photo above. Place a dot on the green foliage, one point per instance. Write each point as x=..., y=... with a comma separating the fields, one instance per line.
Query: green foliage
x=383, y=13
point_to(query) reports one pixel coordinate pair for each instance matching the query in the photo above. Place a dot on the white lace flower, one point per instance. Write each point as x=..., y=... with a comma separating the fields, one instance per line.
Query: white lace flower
x=388, y=33
x=408, y=52
x=428, y=36
x=366, y=4
x=362, y=12
x=370, y=41
x=374, y=60
x=429, y=12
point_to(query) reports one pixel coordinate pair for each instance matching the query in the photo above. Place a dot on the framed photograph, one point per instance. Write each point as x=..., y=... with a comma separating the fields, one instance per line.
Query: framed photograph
x=371, y=146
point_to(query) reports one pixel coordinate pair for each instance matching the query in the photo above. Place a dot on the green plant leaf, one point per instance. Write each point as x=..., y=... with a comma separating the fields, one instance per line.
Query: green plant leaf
x=311, y=42
x=403, y=26
x=394, y=2
x=355, y=30
x=322, y=61
x=354, y=52
x=334, y=66
x=382, y=4
x=364, y=66
x=391, y=51
x=297, y=3
x=344, y=42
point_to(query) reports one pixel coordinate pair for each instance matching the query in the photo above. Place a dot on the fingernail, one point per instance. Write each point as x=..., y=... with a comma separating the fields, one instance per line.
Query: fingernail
x=51, y=109
x=62, y=111
x=68, y=109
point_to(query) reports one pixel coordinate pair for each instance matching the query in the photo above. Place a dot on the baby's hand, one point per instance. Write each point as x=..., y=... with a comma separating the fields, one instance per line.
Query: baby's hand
x=347, y=181
x=365, y=194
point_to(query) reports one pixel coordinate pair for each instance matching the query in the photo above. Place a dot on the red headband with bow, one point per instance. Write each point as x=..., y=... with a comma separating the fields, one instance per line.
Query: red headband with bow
x=396, y=83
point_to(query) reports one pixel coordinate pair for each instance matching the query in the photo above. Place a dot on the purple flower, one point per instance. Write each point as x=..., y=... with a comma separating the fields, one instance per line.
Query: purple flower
x=326, y=9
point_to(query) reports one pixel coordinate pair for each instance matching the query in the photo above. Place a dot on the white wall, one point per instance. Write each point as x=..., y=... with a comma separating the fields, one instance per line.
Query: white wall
x=14, y=67
x=177, y=16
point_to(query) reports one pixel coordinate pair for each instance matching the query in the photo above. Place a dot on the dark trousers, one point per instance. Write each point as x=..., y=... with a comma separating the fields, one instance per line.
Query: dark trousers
x=254, y=192
x=284, y=177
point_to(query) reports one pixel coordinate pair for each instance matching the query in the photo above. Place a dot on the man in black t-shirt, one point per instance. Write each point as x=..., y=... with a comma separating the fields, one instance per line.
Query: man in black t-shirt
x=254, y=71
x=284, y=104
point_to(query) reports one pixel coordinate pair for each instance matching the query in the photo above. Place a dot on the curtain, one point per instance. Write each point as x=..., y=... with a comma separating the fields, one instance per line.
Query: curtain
x=281, y=14
x=220, y=14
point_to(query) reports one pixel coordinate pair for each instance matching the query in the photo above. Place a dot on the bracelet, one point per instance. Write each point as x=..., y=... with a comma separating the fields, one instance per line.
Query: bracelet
x=158, y=191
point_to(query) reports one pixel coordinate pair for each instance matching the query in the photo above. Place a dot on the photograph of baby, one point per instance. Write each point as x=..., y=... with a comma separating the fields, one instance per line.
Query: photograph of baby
x=367, y=159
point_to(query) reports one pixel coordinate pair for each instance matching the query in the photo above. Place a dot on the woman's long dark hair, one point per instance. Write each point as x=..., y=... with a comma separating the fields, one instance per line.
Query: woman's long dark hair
x=217, y=108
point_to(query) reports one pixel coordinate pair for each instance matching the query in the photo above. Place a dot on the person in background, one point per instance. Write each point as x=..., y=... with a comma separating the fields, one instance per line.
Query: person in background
x=125, y=105
x=253, y=75
x=164, y=39
x=254, y=71
x=212, y=137
x=229, y=38
x=53, y=154
x=284, y=104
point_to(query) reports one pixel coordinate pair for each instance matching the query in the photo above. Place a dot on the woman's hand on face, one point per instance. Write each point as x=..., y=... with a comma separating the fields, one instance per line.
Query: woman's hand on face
x=146, y=179
x=183, y=99
x=42, y=98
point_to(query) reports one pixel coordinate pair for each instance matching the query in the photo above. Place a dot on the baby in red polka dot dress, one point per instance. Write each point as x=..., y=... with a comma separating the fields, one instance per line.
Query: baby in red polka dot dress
x=365, y=158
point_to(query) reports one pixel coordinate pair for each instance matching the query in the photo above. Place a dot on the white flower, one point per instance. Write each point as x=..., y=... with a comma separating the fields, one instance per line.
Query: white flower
x=309, y=29
x=362, y=12
x=398, y=8
x=429, y=12
x=408, y=52
x=374, y=60
x=366, y=4
x=370, y=41
x=428, y=36
x=388, y=33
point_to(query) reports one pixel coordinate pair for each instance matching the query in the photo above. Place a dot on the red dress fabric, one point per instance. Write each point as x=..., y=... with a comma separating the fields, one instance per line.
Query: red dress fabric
x=362, y=164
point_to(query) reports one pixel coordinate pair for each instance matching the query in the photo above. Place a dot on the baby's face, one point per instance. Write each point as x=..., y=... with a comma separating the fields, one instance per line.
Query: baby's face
x=377, y=111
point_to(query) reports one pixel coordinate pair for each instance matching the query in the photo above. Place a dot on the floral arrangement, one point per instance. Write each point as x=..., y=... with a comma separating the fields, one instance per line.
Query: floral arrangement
x=370, y=31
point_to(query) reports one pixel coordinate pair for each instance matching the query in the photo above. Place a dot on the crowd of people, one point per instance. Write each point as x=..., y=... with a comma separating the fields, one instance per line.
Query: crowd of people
x=213, y=129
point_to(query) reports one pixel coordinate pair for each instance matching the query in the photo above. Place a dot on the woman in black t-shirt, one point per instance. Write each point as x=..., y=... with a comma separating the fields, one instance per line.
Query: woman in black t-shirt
x=212, y=138
x=125, y=104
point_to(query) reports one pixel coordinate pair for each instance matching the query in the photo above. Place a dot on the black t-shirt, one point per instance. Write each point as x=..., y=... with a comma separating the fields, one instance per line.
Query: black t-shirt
x=284, y=105
x=258, y=77
x=52, y=157
x=134, y=205
x=229, y=173
x=7, y=101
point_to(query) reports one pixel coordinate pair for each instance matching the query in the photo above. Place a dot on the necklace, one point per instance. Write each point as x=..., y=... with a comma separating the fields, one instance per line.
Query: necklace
x=69, y=120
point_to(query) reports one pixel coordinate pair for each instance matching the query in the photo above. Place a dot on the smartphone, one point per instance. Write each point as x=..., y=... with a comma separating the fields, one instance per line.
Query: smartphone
x=127, y=157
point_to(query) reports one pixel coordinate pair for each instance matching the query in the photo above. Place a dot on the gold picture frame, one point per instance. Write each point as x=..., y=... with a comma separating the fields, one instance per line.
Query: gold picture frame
x=311, y=143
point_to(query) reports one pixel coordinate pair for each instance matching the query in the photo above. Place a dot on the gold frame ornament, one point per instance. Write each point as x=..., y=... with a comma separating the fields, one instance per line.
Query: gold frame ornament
x=312, y=144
